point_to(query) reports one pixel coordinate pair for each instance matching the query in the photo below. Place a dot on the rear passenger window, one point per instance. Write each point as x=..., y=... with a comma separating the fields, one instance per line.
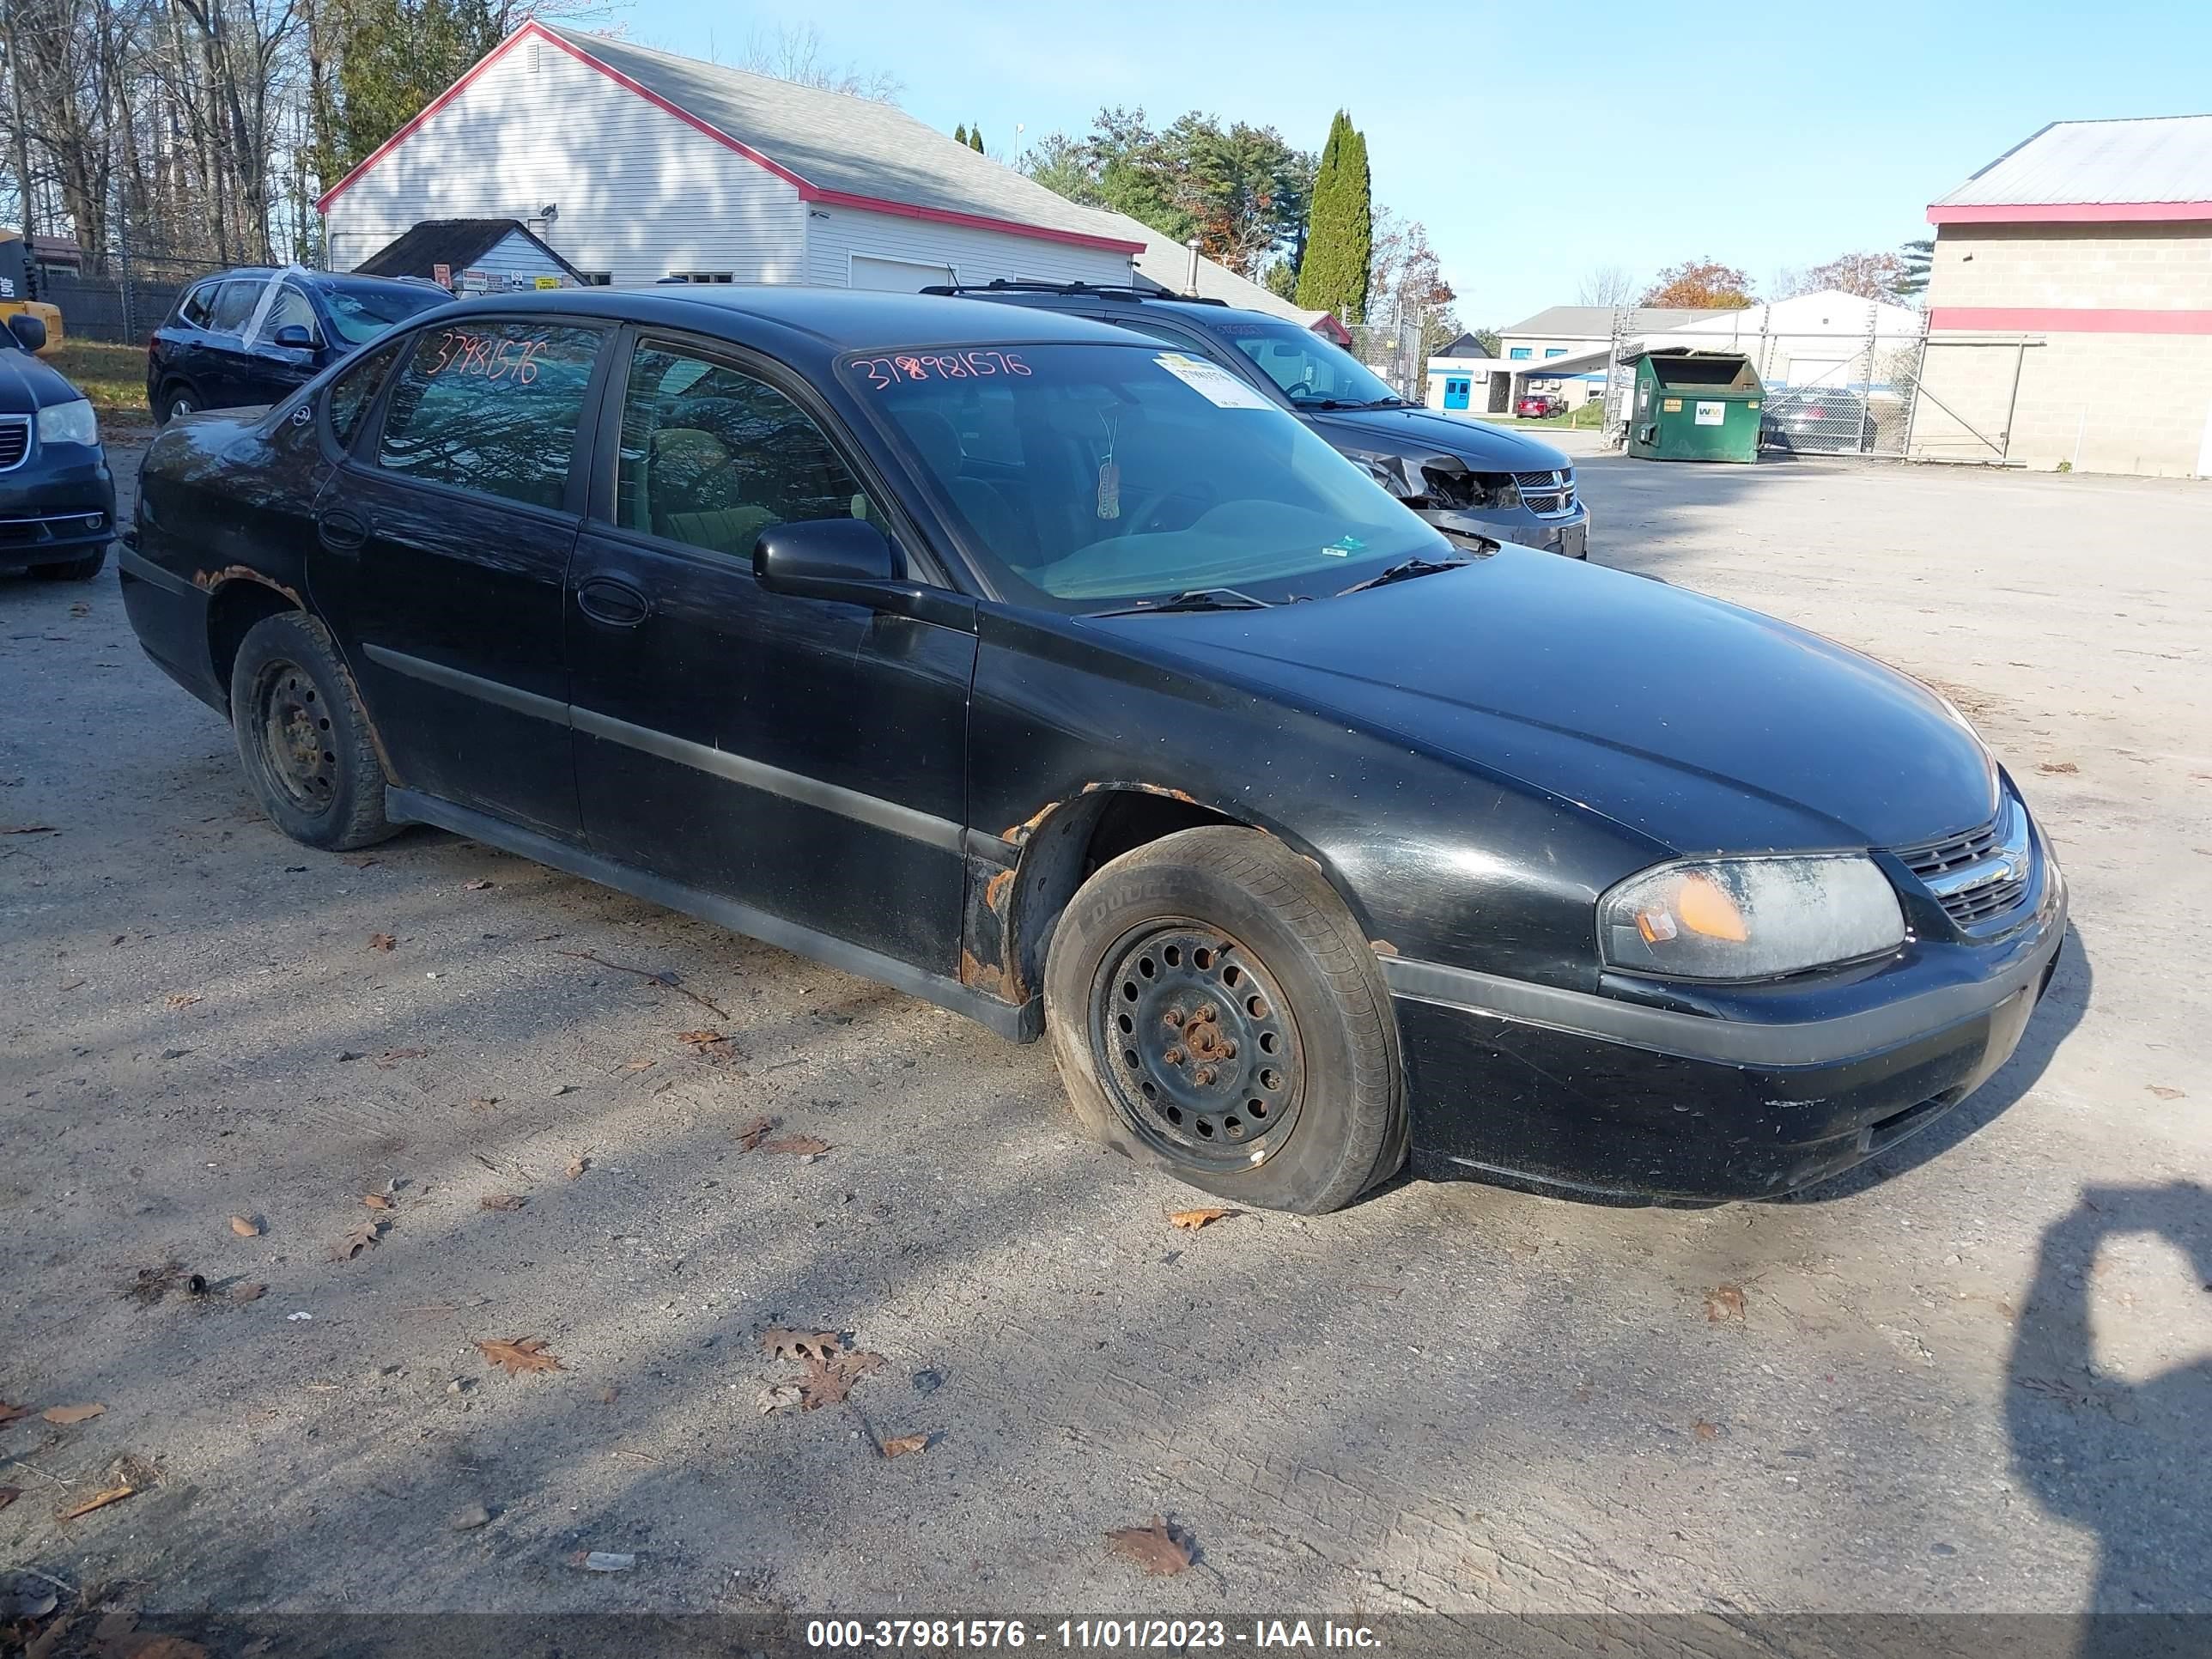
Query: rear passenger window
x=355, y=389
x=712, y=457
x=233, y=306
x=492, y=408
x=196, y=305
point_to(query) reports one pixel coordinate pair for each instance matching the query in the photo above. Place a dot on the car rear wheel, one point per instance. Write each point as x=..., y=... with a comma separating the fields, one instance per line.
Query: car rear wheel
x=177, y=398
x=73, y=570
x=1214, y=1010
x=304, y=738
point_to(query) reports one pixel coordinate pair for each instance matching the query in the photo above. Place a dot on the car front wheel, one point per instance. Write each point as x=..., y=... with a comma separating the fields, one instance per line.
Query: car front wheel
x=304, y=737
x=1214, y=1010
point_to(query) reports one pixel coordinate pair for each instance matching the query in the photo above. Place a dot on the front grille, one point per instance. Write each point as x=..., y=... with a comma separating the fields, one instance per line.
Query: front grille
x=1548, y=494
x=1980, y=877
x=14, y=441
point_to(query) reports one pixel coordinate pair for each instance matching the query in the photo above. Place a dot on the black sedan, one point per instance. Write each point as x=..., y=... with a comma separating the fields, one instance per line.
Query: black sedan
x=57, y=495
x=254, y=335
x=1045, y=671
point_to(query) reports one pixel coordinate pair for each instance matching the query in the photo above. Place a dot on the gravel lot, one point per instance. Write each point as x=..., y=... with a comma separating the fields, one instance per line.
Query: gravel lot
x=1978, y=1377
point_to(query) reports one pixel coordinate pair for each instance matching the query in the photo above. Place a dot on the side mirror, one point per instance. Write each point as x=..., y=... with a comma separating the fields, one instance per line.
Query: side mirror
x=30, y=332
x=847, y=559
x=293, y=337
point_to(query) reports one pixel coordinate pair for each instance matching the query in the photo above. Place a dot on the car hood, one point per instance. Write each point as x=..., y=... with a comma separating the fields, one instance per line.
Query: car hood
x=1423, y=432
x=27, y=385
x=1704, y=726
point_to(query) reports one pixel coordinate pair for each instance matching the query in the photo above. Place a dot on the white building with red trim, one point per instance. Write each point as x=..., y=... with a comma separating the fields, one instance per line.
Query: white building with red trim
x=2069, y=304
x=635, y=165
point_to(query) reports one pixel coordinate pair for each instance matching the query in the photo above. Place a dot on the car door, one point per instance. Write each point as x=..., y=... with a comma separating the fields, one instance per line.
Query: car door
x=217, y=362
x=802, y=759
x=442, y=541
x=271, y=373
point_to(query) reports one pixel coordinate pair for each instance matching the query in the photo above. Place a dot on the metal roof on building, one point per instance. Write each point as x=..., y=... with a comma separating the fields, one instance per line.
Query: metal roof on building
x=1595, y=322
x=2155, y=161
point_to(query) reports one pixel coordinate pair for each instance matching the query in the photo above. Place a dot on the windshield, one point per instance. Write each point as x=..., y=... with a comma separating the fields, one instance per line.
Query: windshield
x=358, y=314
x=1312, y=372
x=1089, y=478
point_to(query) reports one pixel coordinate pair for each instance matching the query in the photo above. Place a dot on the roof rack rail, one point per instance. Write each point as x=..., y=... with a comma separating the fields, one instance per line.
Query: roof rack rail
x=1104, y=290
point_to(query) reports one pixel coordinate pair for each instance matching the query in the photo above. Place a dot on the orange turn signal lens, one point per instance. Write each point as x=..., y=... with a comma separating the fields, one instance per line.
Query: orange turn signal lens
x=1705, y=908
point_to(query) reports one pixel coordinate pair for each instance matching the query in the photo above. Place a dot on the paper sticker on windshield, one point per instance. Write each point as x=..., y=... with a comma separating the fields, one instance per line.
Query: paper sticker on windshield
x=1214, y=383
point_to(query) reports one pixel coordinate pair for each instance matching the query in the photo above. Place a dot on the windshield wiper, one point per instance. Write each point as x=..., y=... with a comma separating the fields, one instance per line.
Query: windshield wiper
x=1405, y=572
x=1197, y=599
x=1385, y=403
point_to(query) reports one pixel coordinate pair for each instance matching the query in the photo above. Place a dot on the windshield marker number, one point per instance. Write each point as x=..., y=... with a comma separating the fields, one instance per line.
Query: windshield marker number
x=883, y=372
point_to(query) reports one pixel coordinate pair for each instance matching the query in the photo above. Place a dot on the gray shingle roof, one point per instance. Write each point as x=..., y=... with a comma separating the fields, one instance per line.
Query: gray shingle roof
x=2159, y=159
x=852, y=146
x=1595, y=322
x=453, y=242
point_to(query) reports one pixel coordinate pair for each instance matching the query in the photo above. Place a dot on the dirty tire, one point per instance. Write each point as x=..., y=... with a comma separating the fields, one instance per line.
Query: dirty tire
x=304, y=738
x=177, y=398
x=1244, y=940
x=72, y=570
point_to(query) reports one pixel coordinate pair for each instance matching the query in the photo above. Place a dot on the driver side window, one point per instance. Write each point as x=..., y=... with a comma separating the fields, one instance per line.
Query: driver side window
x=289, y=309
x=711, y=456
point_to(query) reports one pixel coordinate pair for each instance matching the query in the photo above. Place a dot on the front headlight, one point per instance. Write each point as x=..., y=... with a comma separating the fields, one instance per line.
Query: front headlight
x=1753, y=918
x=72, y=423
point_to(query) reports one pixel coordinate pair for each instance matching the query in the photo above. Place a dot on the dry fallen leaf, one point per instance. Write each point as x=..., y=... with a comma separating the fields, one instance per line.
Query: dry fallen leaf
x=63, y=1416
x=805, y=1147
x=1155, y=1548
x=376, y=1200
x=778, y=1395
x=370, y=1231
x=2058, y=767
x=381, y=941
x=99, y=1500
x=391, y=1057
x=179, y=999
x=507, y=1202
x=474, y=886
x=8, y=1413
x=577, y=1165
x=1191, y=1220
x=900, y=1446
x=640, y=1066
x=700, y=1039
x=1724, y=1302
x=750, y=1135
x=828, y=1385
x=1707, y=1431
x=801, y=1344
x=2164, y=1091
x=483, y=1103
x=244, y=1228
x=516, y=1354
x=246, y=1292
x=8, y=1495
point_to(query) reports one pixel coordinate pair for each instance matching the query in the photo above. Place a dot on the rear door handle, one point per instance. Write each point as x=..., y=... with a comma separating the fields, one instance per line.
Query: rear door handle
x=615, y=603
x=342, y=531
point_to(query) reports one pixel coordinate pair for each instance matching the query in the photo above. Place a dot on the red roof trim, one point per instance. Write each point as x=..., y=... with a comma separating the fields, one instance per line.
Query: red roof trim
x=533, y=29
x=2069, y=319
x=972, y=220
x=2068, y=213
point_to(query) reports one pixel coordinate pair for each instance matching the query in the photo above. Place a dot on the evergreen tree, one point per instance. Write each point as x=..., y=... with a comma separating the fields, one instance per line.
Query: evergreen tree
x=960, y=133
x=975, y=139
x=1339, y=228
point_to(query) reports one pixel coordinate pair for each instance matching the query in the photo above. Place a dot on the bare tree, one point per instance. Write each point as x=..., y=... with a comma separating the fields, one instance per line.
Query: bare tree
x=1607, y=285
x=797, y=54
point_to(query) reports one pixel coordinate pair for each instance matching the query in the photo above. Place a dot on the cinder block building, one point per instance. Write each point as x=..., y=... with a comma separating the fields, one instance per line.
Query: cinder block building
x=2069, y=304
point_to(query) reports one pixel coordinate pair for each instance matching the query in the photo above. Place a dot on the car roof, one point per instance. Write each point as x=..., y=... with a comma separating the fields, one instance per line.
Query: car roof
x=836, y=319
x=323, y=279
x=1201, y=312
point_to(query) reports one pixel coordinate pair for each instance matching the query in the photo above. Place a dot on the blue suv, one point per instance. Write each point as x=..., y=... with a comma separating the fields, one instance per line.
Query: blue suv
x=256, y=334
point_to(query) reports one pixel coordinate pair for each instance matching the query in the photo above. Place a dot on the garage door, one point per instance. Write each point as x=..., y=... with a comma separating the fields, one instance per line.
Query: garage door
x=1825, y=373
x=896, y=275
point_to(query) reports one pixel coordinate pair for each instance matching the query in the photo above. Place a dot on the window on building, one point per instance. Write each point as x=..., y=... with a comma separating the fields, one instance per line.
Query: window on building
x=701, y=277
x=1517, y=353
x=1555, y=351
x=492, y=408
x=712, y=457
x=596, y=278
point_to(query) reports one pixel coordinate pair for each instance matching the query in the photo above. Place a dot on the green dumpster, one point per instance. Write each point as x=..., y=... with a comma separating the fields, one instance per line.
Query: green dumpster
x=1694, y=406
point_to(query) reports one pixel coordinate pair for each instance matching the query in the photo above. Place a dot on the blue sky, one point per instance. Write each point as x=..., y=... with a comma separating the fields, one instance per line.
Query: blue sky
x=1778, y=136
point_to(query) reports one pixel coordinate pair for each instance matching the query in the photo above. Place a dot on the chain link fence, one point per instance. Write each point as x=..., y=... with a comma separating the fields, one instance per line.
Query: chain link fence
x=122, y=305
x=1393, y=351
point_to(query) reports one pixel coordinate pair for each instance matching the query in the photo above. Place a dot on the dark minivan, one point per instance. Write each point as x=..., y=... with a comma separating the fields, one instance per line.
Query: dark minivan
x=1472, y=481
x=256, y=335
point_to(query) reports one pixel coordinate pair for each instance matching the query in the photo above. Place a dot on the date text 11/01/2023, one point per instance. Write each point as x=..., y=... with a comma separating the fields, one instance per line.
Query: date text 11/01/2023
x=1088, y=1635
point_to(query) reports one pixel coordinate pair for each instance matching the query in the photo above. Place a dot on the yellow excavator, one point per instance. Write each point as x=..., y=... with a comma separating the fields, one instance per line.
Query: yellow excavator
x=17, y=284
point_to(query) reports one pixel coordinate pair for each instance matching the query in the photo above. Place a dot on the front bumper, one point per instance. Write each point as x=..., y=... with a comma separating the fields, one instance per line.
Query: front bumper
x=1617, y=1099
x=1566, y=534
x=51, y=512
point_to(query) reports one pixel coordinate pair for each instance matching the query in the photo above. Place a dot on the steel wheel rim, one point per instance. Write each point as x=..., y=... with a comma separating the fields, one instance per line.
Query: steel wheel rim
x=1196, y=1046
x=294, y=727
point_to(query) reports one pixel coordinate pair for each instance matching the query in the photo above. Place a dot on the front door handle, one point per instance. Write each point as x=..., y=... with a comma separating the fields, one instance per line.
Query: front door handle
x=614, y=603
x=342, y=531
